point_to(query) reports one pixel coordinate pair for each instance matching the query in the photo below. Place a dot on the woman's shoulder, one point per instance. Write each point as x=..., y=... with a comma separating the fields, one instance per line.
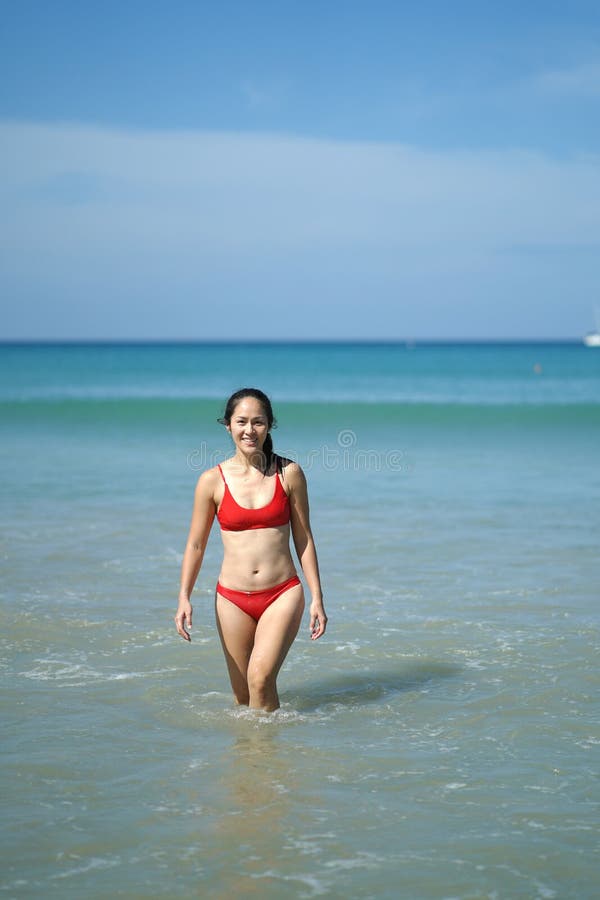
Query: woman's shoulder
x=290, y=469
x=209, y=480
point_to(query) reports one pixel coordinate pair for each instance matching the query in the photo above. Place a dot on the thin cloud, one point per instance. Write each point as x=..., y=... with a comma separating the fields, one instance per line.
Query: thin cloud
x=581, y=81
x=246, y=188
x=100, y=216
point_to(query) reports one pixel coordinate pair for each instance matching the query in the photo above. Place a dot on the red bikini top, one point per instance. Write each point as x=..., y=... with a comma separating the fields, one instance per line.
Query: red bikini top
x=233, y=517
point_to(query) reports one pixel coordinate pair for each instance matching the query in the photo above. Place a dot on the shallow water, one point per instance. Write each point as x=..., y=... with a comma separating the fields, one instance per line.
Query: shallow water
x=441, y=741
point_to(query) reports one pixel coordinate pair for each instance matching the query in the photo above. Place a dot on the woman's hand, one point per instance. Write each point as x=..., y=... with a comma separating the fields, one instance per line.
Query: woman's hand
x=318, y=620
x=183, y=617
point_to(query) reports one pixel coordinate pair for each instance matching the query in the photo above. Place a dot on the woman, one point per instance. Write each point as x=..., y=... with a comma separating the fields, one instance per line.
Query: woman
x=256, y=497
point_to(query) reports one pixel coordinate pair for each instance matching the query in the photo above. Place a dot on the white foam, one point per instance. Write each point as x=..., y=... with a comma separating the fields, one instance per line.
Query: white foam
x=93, y=863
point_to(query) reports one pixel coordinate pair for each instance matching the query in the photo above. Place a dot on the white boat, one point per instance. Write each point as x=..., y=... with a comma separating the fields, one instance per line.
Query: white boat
x=592, y=338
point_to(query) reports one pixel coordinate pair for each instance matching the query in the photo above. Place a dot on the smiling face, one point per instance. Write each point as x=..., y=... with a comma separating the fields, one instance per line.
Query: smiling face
x=248, y=426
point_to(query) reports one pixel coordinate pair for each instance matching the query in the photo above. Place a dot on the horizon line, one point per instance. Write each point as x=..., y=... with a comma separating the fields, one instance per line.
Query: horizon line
x=406, y=341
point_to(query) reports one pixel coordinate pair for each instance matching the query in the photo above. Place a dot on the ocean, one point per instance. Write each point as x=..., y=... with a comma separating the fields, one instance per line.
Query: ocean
x=441, y=741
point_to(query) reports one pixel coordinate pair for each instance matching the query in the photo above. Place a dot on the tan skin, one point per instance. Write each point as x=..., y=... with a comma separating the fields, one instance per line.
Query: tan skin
x=254, y=560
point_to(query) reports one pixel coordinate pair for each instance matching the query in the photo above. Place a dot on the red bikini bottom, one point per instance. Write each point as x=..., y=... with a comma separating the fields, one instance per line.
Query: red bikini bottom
x=254, y=603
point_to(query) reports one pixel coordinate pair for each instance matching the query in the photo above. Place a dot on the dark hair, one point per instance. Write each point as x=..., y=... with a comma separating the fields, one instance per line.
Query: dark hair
x=264, y=401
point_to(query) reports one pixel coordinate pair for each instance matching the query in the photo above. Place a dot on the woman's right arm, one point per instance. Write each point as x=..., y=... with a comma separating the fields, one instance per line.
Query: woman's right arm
x=202, y=518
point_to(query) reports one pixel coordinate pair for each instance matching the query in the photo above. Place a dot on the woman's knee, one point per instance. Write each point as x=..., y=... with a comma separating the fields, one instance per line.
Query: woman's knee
x=260, y=678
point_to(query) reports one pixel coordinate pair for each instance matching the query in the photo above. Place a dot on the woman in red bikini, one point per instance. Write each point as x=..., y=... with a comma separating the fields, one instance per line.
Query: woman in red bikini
x=257, y=497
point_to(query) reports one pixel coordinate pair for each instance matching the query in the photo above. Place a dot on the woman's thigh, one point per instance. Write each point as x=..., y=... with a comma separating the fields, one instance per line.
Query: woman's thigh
x=236, y=630
x=276, y=631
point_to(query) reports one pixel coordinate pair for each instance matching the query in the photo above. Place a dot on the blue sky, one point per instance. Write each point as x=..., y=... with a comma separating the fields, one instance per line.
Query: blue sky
x=299, y=169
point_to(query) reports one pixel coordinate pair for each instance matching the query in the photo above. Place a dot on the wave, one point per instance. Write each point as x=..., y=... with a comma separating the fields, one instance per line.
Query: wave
x=192, y=413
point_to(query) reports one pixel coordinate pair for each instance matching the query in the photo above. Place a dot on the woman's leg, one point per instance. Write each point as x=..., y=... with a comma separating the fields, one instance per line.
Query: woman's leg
x=275, y=633
x=236, y=630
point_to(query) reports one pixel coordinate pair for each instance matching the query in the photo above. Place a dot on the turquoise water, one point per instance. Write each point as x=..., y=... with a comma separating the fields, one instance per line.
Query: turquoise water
x=441, y=741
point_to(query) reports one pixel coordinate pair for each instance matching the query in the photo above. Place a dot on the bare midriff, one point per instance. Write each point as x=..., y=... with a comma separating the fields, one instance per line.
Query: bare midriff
x=256, y=559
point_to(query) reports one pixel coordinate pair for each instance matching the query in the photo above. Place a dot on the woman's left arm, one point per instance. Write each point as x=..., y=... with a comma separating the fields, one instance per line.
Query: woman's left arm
x=305, y=546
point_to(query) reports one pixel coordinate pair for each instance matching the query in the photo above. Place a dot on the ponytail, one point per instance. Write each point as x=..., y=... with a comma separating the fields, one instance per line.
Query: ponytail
x=268, y=452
